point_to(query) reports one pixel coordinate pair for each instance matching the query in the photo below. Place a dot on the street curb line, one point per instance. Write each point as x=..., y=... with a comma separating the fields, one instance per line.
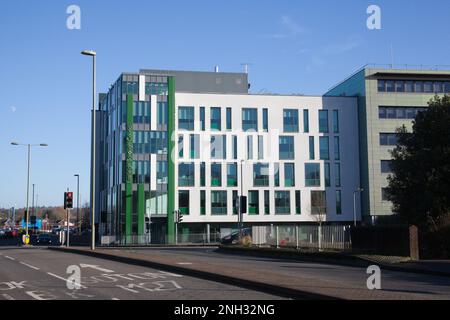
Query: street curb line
x=210, y=276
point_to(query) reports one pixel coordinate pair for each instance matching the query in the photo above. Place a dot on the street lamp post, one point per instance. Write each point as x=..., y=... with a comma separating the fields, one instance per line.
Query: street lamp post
x=92, y=54
x=78, y=202
x=354, y=204
x=28, y=178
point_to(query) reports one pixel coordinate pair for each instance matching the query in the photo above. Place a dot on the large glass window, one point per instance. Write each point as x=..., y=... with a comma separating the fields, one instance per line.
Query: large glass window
x=229, y=120
x=289, y=175
x=337, y=153
x=249, y=119
x=290, y=120
x=232, y=180
x=409, y=86
x=384, y=194
x=180, y=146
x=318, y=202
x=265, y=120
x=183, y=202
x=327, y=175
x=276, y=173
x=202, y=202
x=324, y=148
x=399, y=112
x=311, y=148
x=260, y=148
x=298, y=202
x=266, y=202
x=386, y=166
x=186, y=175
x=216, y=174
x=338, y=202
x=323, y=121
x=388, y=139
x=216, y=119
x=337, y=173
x=282, y=202
x=312, y=174
x=218, y=147
x=235, y=202
x=249, y=147
x=390, y=86
x=335, y=121
x=218, y=202
x=186, y=118
x=306, y=121
x=194, y=146
x=202, y=174
x=202, y=119
x=235, y=147
x=261, y=175
x=287, y=148
x=253, y=202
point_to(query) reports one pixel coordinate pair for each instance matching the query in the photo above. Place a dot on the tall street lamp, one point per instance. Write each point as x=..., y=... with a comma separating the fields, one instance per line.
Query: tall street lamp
x=28, y=177
x=359, y=190
x=92, y=54
x=78, y=202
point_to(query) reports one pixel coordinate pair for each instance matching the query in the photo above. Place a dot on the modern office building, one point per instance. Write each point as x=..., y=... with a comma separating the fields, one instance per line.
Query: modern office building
x=387, y=99
x=195, y=141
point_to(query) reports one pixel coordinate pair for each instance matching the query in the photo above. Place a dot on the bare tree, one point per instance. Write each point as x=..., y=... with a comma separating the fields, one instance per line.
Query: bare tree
x=319, y=211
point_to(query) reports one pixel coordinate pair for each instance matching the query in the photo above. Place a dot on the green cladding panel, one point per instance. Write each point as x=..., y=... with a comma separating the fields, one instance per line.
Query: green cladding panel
x=171, y=164
x=141, y=209
x=129, y=168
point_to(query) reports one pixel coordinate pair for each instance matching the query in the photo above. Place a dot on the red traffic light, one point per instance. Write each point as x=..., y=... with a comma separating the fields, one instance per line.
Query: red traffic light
x=68, y=200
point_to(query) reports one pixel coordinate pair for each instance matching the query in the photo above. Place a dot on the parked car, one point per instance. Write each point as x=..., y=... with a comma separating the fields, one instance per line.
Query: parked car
x=44, y=239
x=233, y=237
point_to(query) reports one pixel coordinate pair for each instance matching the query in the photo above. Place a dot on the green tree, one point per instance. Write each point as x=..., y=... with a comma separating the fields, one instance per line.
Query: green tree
x=419, y=186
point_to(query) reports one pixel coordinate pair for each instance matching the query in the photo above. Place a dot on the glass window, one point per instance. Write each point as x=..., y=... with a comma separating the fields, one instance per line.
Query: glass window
x=390, y=86
x=186, y=118
x=261, y=175
x=229, y=121
x=253, y=202
x=235, y=202
x=249, y=119
x=265, y=120
x=418, y=86
x=298, y=202
x=216, y=119
x=282, y=202
x=289, y=175
x=202, y=119
x=311, y=148
x=399, y=86
x=386, y=166
x=194, y=146
x=232, y=175
x=438, y=87
x=290, y=120
x=428, y=87
x=324, y=148
x=183, y=202
x=186, y=175
x=327, y=175
x=381, y=86
x=181, y=146
x=388, y=139
x=202, y=202
x=218, y=147
x=287, y=148
x=260, y=148
x=447, y=87
x=202, y=174
x=318, y=202
x=218, y=202
x=323, y=121
x=216, y=174
x=249, y=147
x=409, y=86
x=267, y=202
x=312, y=174
x=338, y=202
x=276, y=173
x=335, y=121
x=306, y=121
x=337, y=173
x=337, y=153
x=384, y=194
x=235, y=147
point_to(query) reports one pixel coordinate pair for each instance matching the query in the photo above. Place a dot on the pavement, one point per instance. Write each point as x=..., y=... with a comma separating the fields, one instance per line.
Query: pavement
x=281, y=277
x=42, y=274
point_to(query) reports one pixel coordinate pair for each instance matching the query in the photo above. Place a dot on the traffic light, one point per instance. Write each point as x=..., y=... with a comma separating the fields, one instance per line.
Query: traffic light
x=178, y=216
x=68, y=200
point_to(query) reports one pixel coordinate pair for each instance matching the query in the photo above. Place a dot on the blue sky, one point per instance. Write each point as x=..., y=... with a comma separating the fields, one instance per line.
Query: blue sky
x=294, y=47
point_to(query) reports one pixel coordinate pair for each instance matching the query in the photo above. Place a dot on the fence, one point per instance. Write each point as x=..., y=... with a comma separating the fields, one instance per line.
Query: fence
x=145, y=240
x=303, y=237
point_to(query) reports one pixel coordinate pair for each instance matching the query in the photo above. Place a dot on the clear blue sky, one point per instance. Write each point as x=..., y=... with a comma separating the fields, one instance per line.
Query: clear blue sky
x=294, y=46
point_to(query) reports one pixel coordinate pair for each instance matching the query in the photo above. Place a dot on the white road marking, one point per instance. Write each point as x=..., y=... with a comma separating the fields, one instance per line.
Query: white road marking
x=10, y=258
x=64, y=279
x=29, y=265
x=95, y=267
x=115, y=299
x=7, y=297
x=184, y=263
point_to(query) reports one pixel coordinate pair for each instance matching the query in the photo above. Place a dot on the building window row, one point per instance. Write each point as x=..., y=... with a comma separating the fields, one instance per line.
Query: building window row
x=409, y=86
x=399, y=112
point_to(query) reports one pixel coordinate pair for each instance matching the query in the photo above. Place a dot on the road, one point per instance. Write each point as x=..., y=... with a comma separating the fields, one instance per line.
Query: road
x=41, y=274
x=339, y=280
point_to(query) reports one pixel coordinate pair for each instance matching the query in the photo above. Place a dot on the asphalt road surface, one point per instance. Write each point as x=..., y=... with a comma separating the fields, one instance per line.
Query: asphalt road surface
x=41, y=274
